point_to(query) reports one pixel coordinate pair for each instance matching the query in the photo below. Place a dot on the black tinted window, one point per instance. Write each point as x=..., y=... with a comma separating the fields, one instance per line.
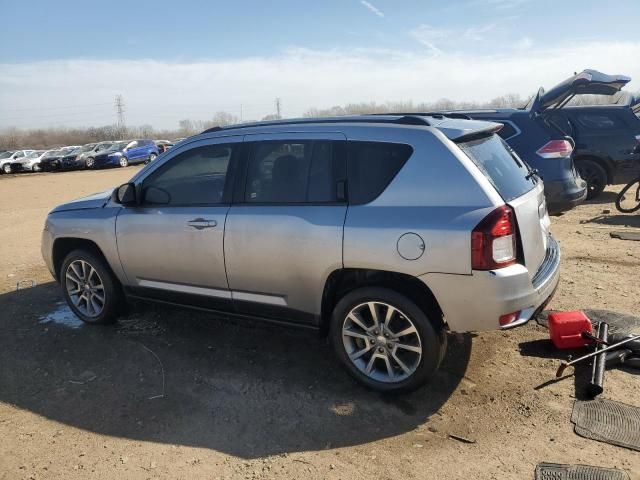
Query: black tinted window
x=597, y=121
x=372, y=166
x=195, y=177
x=507, y=131
x=293, y=172
x=499, y=163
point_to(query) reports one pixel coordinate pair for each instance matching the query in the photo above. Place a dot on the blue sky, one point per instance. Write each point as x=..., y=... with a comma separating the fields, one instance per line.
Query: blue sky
x=201, y=56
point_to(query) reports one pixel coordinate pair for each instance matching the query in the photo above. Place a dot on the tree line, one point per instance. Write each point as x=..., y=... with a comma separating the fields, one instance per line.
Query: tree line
x=41, y=138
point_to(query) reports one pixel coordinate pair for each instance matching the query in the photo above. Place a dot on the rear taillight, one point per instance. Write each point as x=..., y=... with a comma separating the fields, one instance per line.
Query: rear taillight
x=493, y=241
x=556, y=149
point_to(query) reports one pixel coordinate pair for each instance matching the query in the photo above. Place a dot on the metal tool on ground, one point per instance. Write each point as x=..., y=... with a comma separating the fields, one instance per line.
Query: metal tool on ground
x=596, y=385
x=563, y=366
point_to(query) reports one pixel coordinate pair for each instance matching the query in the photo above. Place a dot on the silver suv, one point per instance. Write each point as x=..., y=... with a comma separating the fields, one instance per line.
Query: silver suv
x=385, y=232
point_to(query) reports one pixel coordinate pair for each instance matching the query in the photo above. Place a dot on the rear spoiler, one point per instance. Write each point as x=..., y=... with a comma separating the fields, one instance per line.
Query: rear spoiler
x=478, y=133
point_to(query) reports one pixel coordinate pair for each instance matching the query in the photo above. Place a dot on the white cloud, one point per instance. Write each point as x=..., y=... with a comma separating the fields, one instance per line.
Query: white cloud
x=438, y=40
x=372, y=8
x=161, y=93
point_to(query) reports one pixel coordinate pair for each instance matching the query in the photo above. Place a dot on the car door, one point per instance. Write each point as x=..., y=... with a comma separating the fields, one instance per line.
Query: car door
x=171, y=246
x=283, y=236
x=134, y=151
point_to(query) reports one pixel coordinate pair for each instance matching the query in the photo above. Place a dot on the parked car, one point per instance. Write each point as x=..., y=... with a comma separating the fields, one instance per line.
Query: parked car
x=607, y=142
x=433, y=225
x=51, y=160
x=69, y=159
x=125, y=153
x=7, y=158
x=87, y=158
x=28, y=163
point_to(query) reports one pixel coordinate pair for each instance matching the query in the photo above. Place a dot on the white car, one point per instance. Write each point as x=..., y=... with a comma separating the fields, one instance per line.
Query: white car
x=30, y=162
x=7, y=158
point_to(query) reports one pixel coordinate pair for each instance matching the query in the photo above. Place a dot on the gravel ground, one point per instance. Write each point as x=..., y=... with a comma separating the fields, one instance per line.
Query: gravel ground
x=172, y=394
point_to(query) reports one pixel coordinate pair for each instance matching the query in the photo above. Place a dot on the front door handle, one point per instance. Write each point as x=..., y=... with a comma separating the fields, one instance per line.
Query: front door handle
x=201, y=223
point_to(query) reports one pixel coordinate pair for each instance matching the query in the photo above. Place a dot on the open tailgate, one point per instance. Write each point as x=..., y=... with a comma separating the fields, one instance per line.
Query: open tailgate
x=587, y=82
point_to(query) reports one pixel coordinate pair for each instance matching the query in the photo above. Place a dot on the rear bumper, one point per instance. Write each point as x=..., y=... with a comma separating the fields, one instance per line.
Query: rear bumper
x=475, y=302
x=563, y=195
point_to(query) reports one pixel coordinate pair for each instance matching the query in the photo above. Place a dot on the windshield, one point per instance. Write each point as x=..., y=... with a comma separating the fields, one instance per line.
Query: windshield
x=32, y=155
x=118, y=145
x=103, y=146
x=499, y=163
x=6, y=154
x=87, y=148
x=75, y=151
x=53, y=153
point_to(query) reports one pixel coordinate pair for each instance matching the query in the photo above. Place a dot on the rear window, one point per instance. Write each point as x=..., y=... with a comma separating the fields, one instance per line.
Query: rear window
x=372, y=166
x=500, y=164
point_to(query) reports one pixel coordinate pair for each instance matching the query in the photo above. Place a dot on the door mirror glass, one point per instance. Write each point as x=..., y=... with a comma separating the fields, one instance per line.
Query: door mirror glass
x=125, y=194
x=156, y=196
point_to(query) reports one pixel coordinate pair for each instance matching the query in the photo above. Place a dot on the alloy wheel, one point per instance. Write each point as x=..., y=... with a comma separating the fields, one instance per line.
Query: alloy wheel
x=589, y=175
x=7, y=168
x=124, y=162
x=382, y=342
x=85, y=288
x=89, y=163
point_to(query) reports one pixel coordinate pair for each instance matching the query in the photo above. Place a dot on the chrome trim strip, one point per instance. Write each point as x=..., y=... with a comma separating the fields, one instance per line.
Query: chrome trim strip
x=176, y=287
x=548, y=266
x=259, y=298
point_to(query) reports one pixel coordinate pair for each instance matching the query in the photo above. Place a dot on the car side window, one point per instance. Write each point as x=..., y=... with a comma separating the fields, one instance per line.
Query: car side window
x=133, y=144
x=372, y=166
x=195, y=177
x=293, y=172
x=597, y=121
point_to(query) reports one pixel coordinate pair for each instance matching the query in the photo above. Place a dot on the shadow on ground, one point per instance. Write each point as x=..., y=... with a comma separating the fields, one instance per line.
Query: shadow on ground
x=179, y=377
x=581, y=373
x=616, y=220
x=606, y=197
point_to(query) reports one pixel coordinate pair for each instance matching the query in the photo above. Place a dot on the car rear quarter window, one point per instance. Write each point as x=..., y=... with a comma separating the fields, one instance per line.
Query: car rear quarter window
x=371, y=166
x=507, y=130
x=500, y=165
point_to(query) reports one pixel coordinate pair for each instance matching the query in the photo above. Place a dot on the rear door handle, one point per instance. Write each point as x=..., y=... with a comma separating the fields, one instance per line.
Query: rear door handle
x=201, y=223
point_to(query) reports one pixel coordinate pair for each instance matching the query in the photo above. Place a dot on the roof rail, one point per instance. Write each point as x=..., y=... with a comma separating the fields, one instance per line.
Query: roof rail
x=405, y=119
x=462, y=116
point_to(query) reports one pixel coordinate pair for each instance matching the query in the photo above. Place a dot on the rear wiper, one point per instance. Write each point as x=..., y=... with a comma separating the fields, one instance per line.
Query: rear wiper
x=533, y=172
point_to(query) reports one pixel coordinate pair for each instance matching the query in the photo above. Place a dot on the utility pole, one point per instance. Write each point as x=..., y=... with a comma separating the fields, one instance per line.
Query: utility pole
x=120, y=125
x=278, y=108
x=240, y=113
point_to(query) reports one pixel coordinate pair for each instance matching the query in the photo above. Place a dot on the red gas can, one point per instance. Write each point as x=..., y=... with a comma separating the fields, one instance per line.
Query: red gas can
x=565, y=329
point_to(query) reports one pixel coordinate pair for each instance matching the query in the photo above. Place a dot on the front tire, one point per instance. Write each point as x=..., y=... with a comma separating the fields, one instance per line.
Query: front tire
x=89, y=162
x=628, y=200
x=36, y=167
x=594, y=174
x=89, y=287
x=124, y=161
x=385, y=341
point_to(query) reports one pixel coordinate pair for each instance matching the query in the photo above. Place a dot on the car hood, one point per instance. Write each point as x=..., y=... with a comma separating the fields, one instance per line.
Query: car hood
x=96, y=200
x=587, y=82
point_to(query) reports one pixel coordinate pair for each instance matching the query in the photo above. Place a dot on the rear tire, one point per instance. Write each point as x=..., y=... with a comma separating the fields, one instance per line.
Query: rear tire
x=6, y=168
x=395, y=355
x=594, y=174
x=152, y=157
x=90, y=288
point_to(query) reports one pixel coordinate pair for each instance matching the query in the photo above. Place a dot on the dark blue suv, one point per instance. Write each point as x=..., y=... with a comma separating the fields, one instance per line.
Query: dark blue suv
x=125, y=153
x=537, y=139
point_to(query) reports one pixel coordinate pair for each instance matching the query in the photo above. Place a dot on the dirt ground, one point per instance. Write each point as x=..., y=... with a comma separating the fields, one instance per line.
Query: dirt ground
x=172, y=394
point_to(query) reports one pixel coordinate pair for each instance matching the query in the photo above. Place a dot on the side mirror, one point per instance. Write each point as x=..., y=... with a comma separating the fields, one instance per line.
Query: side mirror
x=125, y=195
